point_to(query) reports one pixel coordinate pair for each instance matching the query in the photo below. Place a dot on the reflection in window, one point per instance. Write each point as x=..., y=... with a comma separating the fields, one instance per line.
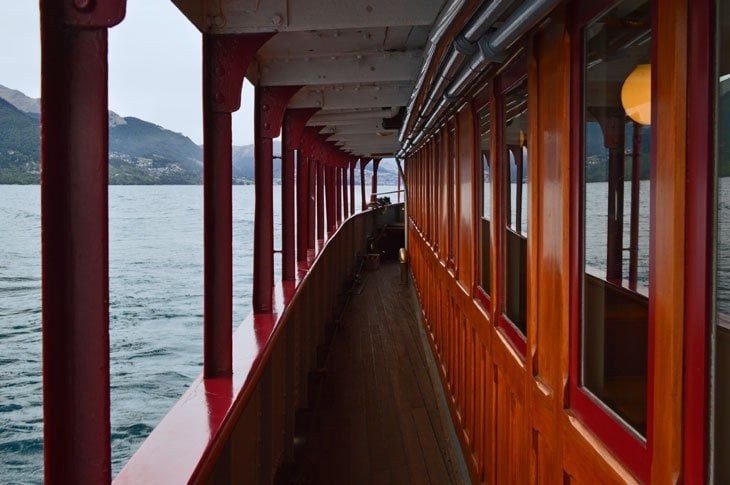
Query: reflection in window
x=485, y=145
x=722, y=319
x=514, y=160
x=617, y=137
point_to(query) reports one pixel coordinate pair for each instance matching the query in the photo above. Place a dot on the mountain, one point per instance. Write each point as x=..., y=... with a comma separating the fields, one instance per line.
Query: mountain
x=140, y=152
x=20, y=100
x=19, y=150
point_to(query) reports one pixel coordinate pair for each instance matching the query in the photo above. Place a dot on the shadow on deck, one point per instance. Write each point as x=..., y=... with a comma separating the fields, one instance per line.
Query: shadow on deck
x=381, y=417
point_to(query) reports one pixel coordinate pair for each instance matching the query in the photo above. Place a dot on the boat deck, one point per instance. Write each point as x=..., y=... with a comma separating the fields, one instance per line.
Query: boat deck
x=382, y=415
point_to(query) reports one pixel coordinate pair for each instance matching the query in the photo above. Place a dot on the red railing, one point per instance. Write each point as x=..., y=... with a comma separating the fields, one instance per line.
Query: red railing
x=241, y=428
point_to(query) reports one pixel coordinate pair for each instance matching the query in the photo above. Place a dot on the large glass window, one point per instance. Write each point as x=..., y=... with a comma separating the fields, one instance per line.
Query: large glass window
x=616, y=168
x=514, y=200
x=485, y=146
x=722, y=298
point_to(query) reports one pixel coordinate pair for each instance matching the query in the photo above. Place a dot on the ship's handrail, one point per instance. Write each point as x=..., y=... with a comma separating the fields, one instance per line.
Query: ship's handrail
x=212, y=421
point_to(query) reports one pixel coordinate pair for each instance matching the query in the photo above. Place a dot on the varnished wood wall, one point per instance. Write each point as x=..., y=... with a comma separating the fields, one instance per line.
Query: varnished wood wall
x=512, y=412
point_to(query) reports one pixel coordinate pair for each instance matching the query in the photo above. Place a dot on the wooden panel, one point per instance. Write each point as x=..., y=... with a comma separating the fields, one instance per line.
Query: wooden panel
x=511, y=413
x=666, y=317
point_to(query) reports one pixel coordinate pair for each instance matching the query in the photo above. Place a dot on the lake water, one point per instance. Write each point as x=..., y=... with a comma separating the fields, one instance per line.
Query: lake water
x=155, y=310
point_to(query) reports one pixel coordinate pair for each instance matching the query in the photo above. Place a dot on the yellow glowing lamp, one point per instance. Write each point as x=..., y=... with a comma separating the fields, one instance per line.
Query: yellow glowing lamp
x=636, y=94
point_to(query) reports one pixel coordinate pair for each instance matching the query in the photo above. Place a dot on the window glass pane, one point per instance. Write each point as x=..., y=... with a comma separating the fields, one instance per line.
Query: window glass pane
x=722, y=320
x=515, y=159
x=617, y=138
x=485, y=145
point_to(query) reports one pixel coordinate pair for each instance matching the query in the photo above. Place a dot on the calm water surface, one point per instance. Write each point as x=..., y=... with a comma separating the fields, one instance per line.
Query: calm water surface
x=156, y=316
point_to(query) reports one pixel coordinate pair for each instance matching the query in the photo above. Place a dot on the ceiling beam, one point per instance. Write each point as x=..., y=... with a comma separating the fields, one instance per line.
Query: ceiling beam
x=249, y=16
x=364, y=138
x=351, y=96
x=366, y=126
x=350, y=117
x=374, y=67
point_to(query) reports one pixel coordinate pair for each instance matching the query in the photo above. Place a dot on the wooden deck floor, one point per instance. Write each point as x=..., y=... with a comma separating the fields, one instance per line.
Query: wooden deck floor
x=381, y=418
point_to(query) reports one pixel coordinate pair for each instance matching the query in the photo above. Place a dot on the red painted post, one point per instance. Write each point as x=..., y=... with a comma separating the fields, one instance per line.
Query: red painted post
x=363, y=164
x=270, y=105
x=320, y=200
x=225, y=61
x=74, y=238
x=287, y=210
x=292, y=126
x=292, y=133
x=312, y=207
x=352, y=186
x=217, y=241
x=345, y=205
x=337, y=178
x=263, y=229
x=328, y=197
x=374, y=189
x=302, y=206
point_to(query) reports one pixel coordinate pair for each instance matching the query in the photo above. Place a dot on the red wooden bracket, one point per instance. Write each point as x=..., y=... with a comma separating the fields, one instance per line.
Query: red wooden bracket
x=295, y=120
x=273, y=105
x=225, y=61
x=93, y=13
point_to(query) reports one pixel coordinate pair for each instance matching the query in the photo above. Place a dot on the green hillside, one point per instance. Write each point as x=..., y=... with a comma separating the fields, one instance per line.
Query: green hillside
x=19, y=150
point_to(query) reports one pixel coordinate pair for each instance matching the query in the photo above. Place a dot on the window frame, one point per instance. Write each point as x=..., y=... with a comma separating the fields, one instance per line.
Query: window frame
x=452, y=155
x=700, y=236
x=634, y=451
x=482, y=100
x=511, y=76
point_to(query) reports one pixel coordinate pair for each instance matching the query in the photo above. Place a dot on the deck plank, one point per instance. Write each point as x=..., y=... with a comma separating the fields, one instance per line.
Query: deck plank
x=379, y=420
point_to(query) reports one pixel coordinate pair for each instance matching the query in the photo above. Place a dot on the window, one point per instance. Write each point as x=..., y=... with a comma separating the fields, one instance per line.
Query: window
x=722, y=251
x=514, y=203
x=451, y=194
x=485, y=243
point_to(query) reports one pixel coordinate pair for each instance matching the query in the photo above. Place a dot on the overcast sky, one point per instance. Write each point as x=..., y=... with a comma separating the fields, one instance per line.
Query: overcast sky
x=154, y=66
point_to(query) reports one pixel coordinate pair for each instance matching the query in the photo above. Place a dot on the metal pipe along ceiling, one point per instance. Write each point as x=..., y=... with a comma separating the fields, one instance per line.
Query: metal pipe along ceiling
x=491, y=48
x=462, y=47
x=444, y=20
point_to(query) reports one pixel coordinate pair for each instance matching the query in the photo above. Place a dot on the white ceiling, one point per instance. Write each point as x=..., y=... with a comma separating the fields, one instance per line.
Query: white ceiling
x=357, y=60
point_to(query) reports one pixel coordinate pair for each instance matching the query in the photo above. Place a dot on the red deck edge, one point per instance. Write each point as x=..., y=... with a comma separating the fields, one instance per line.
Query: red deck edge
x=180, y=447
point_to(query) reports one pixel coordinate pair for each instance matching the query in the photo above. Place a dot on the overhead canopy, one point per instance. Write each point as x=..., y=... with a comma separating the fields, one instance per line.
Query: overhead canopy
x=357, y=60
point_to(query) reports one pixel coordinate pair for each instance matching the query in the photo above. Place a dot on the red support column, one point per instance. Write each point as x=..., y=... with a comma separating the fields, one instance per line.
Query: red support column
x=225, y=61
x=302, y=206
x=74, y=238
x=287, y=210
x=311, y=206
x=345, y=206
x=269, y=113
x=352, y=186
x=363, y=164
x=332, y=200
x=337, y=178
x=293, y=130
x=374, y=189
x=320, y=200
x=328, y=198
